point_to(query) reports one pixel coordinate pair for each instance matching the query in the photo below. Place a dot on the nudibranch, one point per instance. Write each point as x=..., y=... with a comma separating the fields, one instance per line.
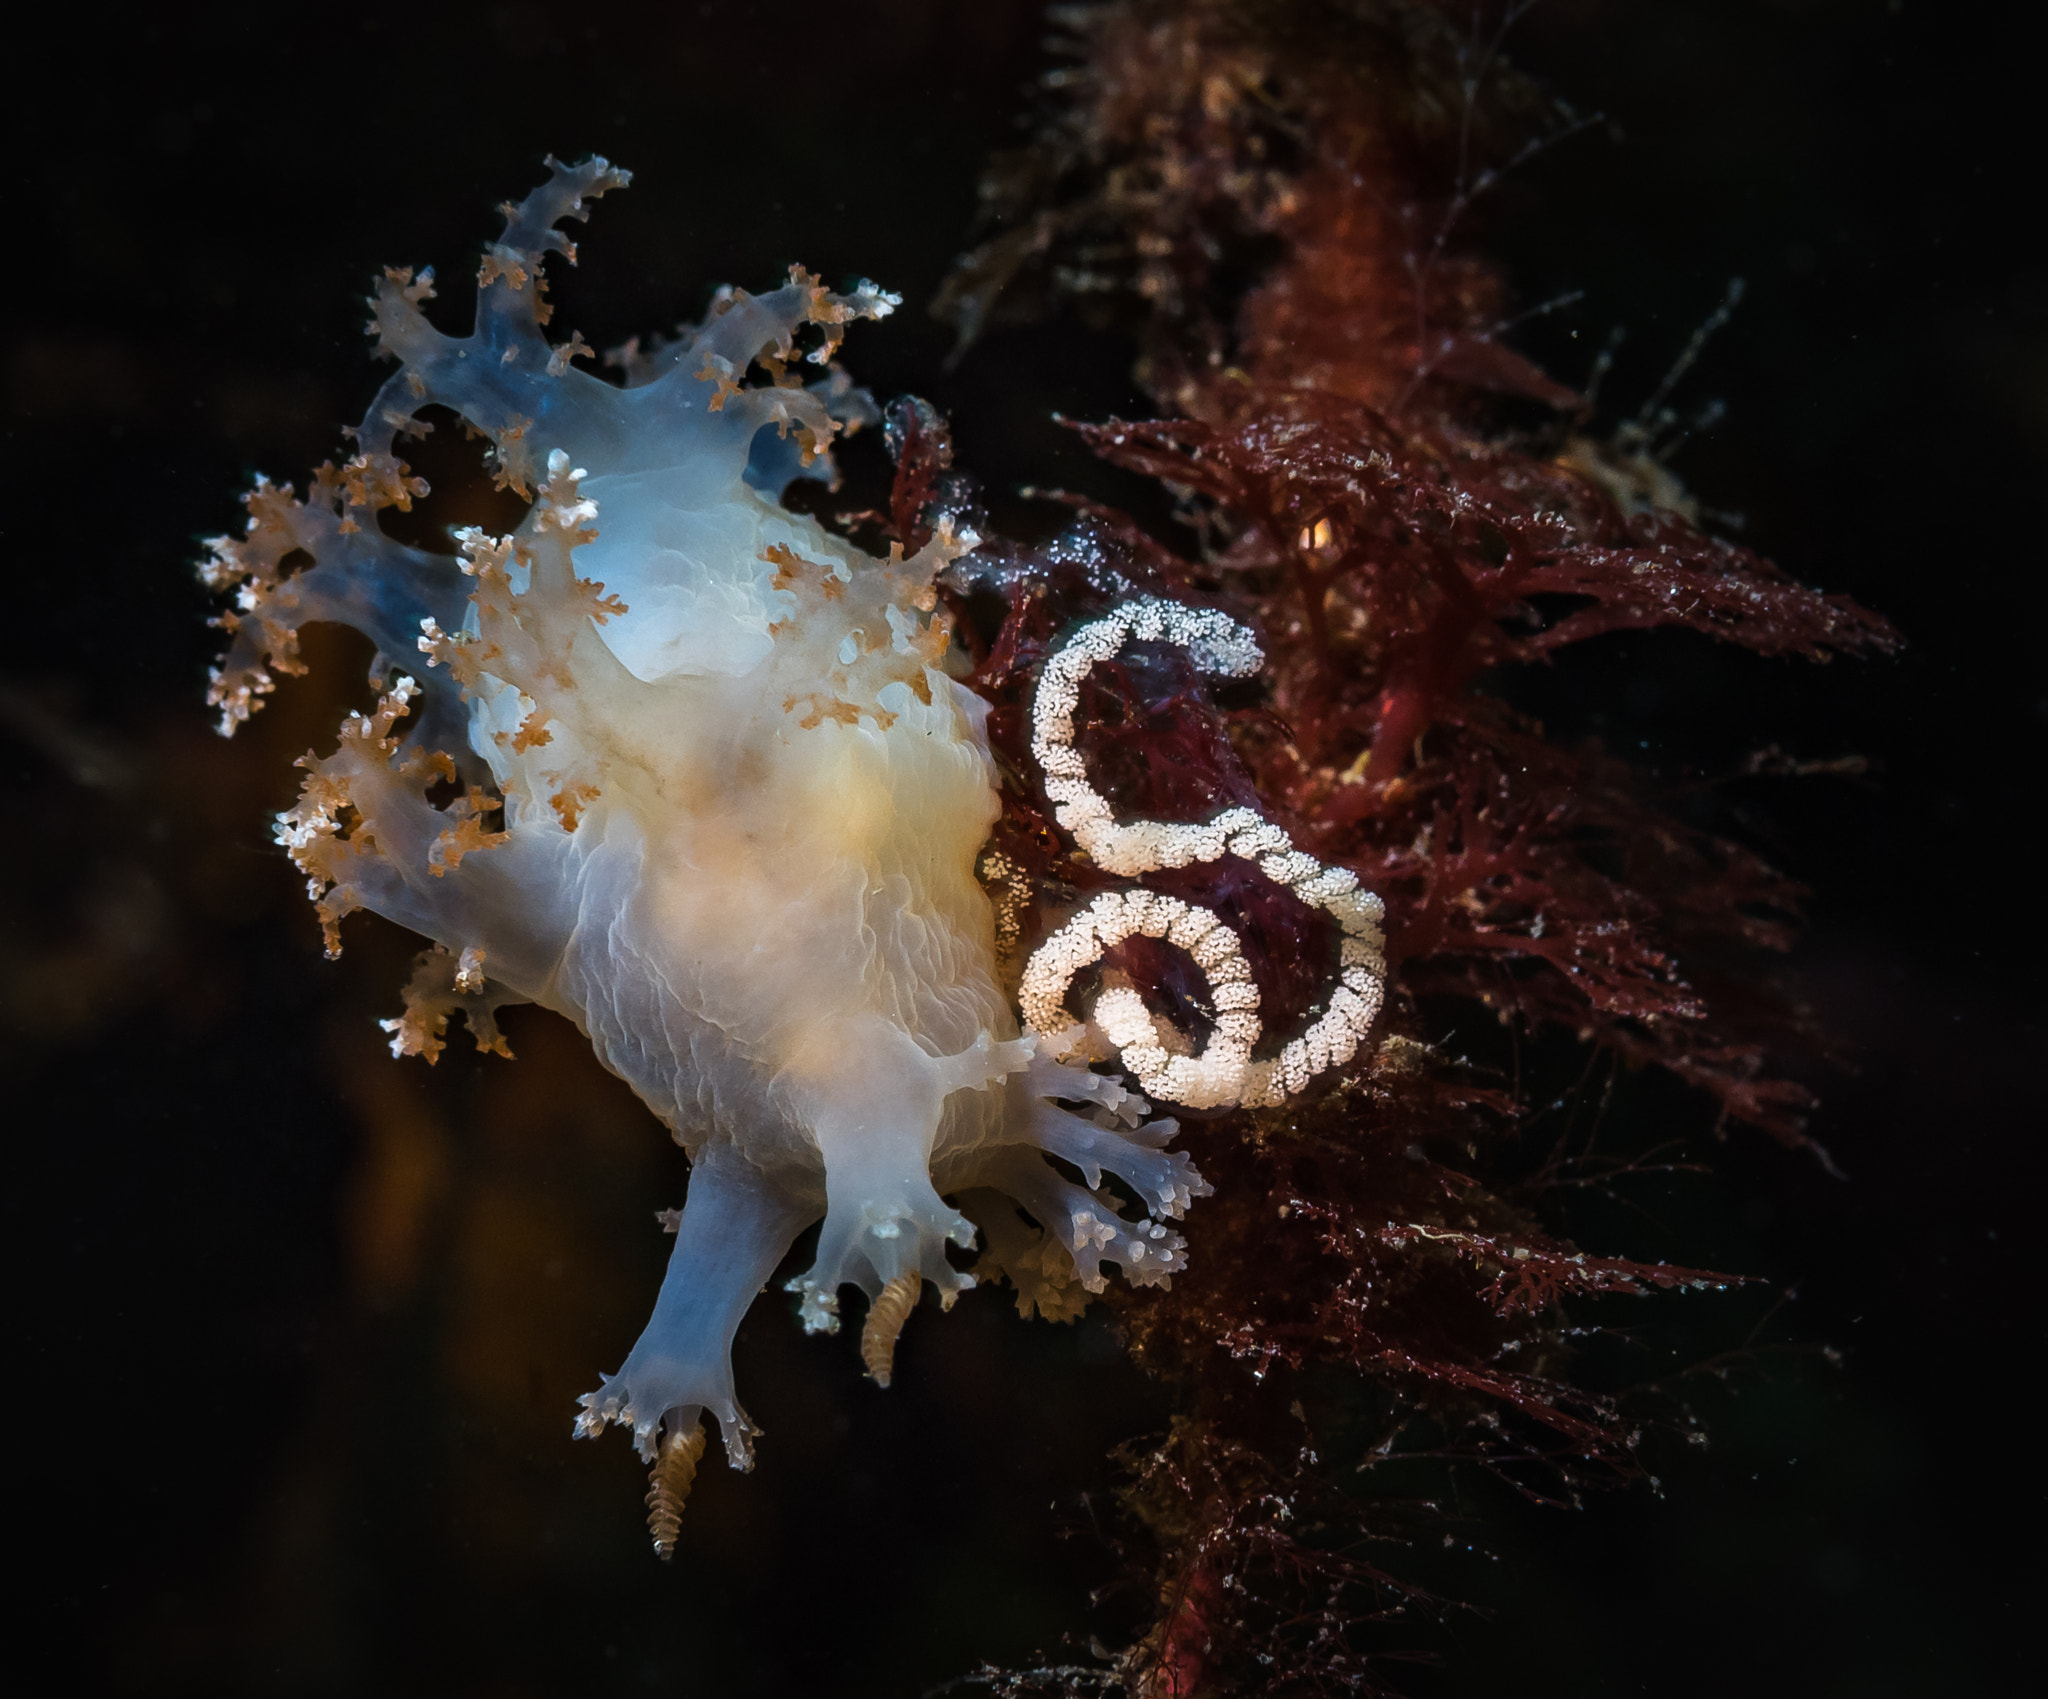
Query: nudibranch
x=697, y=773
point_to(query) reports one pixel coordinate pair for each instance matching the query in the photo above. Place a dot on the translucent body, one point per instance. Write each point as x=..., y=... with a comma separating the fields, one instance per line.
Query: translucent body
x=718, y=802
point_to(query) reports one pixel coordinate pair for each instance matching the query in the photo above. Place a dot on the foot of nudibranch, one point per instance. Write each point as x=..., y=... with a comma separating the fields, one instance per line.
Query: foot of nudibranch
x=1167, y=1180
x=874, y=1101
x=1035, y=1262
x=1113, y=1137
x=1086, y=1224
x=895, y=1238
x=735, y=1227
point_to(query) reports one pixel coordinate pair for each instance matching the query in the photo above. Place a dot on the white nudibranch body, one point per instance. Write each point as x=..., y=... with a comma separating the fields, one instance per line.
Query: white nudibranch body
x=738, y=802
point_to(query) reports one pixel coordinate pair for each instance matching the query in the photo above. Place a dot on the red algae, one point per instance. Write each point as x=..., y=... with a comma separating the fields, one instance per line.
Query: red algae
x=1273, y=200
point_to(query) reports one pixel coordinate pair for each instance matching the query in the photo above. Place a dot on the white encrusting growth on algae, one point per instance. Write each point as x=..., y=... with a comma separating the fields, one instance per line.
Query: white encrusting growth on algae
x=1225, y=1073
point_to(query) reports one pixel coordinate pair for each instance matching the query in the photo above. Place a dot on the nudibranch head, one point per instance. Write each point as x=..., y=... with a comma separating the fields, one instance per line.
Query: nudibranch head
x=687, y=768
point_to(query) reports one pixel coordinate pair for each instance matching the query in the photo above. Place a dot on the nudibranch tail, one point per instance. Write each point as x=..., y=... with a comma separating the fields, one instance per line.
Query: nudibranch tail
x=668, y=1487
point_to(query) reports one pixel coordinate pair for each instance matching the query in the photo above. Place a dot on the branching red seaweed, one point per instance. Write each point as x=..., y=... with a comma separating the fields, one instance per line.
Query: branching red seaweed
x=1273, y=200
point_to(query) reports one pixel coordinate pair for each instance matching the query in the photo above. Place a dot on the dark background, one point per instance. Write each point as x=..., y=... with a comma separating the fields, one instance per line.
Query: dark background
x=297, y=1329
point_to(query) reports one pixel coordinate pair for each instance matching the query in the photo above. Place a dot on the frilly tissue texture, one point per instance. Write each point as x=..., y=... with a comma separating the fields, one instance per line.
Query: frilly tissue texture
x=690, y=770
